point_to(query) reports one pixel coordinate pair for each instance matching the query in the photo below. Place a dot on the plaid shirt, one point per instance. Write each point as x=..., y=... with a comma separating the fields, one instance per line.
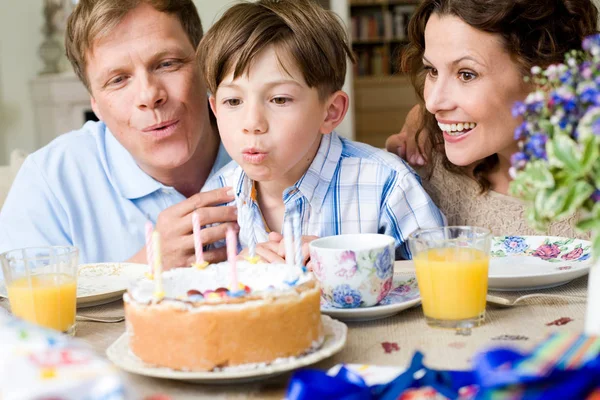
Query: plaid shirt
x=350, y=187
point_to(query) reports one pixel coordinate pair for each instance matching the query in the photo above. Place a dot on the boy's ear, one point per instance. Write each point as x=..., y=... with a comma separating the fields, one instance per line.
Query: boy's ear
x=337, y=107
x=95, y=108
x=213, y=103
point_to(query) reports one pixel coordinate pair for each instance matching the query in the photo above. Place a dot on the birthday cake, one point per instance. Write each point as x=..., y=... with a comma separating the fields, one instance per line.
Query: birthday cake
x=197, y=324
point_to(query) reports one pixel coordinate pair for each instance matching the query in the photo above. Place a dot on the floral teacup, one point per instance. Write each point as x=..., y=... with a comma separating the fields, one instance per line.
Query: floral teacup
x=354, y=270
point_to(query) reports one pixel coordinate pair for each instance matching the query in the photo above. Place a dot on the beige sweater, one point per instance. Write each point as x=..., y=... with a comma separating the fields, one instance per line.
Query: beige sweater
x=458, y=198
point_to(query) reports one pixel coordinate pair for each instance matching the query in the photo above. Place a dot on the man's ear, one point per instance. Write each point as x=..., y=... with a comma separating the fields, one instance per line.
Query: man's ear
x=213, y=104
x=95, y=108
x=336, y=109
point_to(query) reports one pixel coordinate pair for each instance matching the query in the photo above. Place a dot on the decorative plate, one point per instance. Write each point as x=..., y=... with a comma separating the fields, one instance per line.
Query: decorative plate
x=536, y=262
x=404, y=295
x=102, y=283
x=335, y=338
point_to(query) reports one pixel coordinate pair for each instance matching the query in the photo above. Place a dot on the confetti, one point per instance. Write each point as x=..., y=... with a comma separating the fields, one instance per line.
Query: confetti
x=560, y=321
x=389, y=347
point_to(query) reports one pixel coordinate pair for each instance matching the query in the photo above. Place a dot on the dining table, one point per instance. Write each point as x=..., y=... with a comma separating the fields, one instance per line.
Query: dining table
x=390, y=341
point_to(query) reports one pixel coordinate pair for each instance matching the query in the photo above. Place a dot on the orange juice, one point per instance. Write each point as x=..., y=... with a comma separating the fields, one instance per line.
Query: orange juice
x=453, y=282
x=49, y=300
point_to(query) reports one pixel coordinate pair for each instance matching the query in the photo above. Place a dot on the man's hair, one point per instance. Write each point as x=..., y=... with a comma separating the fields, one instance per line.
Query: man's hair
x=93, y=19
x=301, y=30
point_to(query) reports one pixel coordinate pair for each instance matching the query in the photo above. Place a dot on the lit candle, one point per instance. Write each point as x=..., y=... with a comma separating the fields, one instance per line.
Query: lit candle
x=158, y=288
x=288, y=237
x=200, y=263
x=149, y=253
x=231, y=258
x=297, y=237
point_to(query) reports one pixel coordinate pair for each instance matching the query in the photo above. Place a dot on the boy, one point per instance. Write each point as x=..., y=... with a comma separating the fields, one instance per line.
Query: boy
x=275, y=70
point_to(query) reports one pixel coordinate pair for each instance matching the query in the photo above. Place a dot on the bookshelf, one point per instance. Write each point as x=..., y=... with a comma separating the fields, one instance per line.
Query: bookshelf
x=382, y=97
x=378, y=31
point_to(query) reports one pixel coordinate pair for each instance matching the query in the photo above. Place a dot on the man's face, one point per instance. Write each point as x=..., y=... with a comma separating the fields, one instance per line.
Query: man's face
x=146, y=87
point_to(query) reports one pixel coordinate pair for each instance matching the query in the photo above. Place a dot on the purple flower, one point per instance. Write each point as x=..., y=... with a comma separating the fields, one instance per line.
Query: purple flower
x=535, y=107
x=589, y=95
x=519, y=159
x=346, y=297
x=384, y=264
x=521, y=131
x=595, y=196
x=596, y=127
x=515, y=244
x=536, y=146
x=518, y=109
x=591, y=41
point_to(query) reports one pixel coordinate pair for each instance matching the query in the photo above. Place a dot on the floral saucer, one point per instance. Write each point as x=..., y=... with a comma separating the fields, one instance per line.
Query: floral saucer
x=536, y=262
x=405, y=294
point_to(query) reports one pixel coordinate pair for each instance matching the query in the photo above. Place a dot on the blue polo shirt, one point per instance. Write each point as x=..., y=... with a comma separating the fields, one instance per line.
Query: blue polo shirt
x=85, y=189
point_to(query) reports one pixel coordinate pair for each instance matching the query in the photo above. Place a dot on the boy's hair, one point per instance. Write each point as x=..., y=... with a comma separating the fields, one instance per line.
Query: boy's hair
x=313, y=38
x=93, y=19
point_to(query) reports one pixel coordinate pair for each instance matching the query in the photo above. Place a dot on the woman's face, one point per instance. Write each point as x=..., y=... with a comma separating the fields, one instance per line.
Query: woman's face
x=470, y=88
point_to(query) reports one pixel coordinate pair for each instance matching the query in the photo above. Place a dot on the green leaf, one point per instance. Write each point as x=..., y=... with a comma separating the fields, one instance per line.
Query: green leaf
x=546, y=127
x=596, y=245
x=577, y=194
x=589, y=224
x=565, y=149
x=529, y=181
x=591, y=154
x=552, y=202
x=534, y=220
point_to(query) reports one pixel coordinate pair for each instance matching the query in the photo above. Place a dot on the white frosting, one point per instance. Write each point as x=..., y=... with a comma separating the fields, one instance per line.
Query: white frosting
x=260, y=278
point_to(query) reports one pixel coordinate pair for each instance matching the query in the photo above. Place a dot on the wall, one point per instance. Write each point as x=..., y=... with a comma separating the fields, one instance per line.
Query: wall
x=20, y=23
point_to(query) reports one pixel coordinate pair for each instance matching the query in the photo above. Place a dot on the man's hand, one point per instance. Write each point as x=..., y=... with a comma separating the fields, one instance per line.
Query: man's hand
x=175, y=227
x=404, y=143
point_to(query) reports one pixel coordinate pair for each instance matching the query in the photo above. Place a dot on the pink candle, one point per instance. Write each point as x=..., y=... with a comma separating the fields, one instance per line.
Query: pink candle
x=197, y=239
x=231, y=258
x=149, y=252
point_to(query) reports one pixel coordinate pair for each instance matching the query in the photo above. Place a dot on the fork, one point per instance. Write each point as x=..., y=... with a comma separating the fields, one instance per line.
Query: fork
x=100, y=319
x=502, y=302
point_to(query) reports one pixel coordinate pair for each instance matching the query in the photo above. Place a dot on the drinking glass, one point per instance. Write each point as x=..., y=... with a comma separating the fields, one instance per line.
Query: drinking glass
x=452, y=273
x=41, y=283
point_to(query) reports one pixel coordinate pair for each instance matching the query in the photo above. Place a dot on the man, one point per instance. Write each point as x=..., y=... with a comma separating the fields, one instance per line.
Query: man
x=149, y=156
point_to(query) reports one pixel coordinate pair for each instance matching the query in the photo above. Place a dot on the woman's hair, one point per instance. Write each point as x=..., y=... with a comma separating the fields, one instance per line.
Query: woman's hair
x=534, y=32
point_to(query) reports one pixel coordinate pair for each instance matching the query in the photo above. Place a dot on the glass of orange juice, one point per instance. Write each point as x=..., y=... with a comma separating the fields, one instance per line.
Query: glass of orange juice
x=452, y=273
x=41, y=283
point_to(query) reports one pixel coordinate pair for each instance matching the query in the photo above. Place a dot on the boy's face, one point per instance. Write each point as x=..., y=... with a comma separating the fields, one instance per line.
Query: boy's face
x=270, y=121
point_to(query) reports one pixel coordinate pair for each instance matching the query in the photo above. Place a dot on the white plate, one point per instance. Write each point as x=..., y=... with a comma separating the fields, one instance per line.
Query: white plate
x=404, y=295
x=536, y=262
x=335, y=338
x=101, y=283
x=106, y=282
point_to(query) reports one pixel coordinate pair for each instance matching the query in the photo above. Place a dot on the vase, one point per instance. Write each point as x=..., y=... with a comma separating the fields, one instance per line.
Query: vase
x=50, y=52
x=592, y=317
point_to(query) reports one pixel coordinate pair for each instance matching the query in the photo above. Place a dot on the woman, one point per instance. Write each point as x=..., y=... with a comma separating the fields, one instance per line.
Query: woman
x=468, y=60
